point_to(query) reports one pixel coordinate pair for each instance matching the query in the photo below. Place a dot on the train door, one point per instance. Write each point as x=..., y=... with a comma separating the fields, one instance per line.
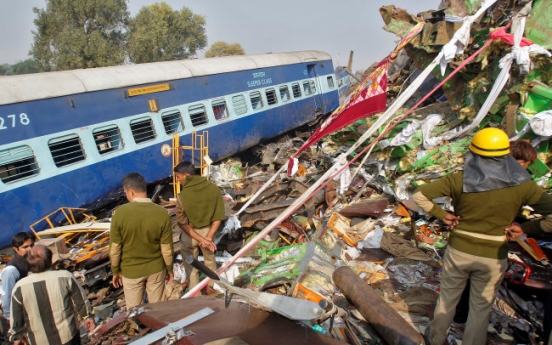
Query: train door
x=320, y=105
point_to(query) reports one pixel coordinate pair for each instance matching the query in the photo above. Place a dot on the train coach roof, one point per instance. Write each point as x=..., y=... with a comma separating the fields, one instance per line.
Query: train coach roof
x=27, y=87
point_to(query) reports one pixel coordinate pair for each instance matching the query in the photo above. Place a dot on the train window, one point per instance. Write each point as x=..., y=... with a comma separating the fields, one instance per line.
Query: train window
x=142, y=129
x=307, y=88
x=330, y=82
x=108, y=139
x=172, y=122
x=66, y=150
x=313, y=87
x=17, y=163
x=198, y=115
x=256, y=100
x=219, y=109
x=271, y=96
x=284, y=93
x=296, y=89
x=239, y=104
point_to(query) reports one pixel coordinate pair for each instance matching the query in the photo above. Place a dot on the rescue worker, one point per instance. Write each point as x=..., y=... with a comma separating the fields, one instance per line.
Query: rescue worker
x=486, y=196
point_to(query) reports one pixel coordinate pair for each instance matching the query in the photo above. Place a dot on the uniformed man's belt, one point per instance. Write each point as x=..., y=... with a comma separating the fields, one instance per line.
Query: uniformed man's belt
x=501, y=238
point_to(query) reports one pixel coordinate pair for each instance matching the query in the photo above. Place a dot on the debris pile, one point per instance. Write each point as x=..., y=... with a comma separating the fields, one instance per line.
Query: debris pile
x=342, y=232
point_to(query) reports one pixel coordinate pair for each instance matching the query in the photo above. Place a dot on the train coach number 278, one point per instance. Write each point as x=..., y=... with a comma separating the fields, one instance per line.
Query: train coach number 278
x=13, y=120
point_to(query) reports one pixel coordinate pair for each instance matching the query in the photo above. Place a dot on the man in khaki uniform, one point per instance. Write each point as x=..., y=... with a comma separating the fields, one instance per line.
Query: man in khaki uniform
x=199, y=212
x=487, y=195
x=141, y=245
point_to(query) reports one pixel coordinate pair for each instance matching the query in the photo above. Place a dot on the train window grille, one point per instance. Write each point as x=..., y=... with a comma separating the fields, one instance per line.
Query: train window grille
x=313, y=86
x=172, y=122
x=296, y=89
x=239, y=104
x=198, y=115
x=271, y=96
x=284, y=93
x=219, y=109
x=66, y=150
x=108, y=139
x=307, y=88
x=142, y=130
x=256, y=100
x=330, y=82
x=17, y=163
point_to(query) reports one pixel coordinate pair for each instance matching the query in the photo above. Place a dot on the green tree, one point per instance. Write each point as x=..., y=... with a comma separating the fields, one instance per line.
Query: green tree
x=4, y=69
x=80, y=34
x=24, y=67
x=221, y=48
x=158, y=33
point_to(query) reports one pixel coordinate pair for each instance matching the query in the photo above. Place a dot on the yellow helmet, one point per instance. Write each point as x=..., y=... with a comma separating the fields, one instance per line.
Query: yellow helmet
x=490, y=142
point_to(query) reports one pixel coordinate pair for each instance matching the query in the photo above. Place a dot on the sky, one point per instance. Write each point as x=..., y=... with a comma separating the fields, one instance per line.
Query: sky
x=260, y=26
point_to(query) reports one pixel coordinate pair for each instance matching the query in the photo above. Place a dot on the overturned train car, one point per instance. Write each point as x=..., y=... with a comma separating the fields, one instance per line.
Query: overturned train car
x=67, y=138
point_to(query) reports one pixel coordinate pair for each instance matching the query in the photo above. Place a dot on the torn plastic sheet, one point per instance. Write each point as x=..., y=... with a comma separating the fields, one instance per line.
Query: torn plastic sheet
x=372, y=239
x=232, y=223
x=406, y=134
x=430, y=122
x=344, y=180
x=541, y=124
x=520, y=51
x=521, y=54
x=179, y=273
x=461, y=37
x=344, y=177
x=401, y=187
x=505, y=65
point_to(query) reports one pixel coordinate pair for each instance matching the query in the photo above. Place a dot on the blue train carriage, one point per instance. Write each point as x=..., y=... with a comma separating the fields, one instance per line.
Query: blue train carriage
x=67, y=138
x=343, y=82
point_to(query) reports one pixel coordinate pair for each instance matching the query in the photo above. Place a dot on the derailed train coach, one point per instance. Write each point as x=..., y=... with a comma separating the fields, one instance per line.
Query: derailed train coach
x=68, y=138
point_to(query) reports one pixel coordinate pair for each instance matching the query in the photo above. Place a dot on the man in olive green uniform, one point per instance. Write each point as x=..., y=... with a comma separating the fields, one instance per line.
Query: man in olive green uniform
x=486, y=196
x=199, y=212
x=141, y=245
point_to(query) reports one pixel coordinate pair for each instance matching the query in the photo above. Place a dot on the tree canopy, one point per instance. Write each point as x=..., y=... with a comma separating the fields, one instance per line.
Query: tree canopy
x=221, y=48
x=73, y=34
x=22, y=67
x=159, y=33
x=80, y=34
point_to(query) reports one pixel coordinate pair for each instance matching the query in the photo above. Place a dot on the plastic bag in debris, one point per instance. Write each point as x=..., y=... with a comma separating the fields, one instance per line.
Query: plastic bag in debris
x=229, y=275
x=541, y=124
x=359, y=231
x=430, y=122
x=401, y=187
x=344, y=180
x=353, y=252
x=179, y=273
x=372, y=239
x=232, y=223
x=406, y=134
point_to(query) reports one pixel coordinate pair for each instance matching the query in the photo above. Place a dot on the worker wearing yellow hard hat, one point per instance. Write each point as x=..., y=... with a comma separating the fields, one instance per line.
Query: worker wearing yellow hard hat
x=490, y=142
x=486, y=197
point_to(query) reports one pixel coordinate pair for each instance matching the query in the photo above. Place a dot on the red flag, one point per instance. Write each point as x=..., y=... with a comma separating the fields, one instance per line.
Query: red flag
x=369, y=98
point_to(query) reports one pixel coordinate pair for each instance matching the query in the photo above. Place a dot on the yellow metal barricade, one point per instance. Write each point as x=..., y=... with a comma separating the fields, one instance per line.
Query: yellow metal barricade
x=69, y=215
x=199, y=150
